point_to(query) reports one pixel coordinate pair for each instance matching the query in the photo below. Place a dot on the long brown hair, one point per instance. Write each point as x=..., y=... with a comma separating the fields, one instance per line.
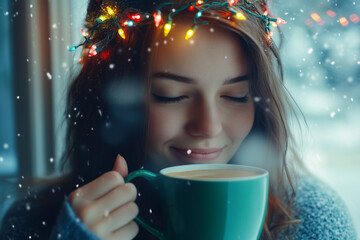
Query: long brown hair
x=102, y=123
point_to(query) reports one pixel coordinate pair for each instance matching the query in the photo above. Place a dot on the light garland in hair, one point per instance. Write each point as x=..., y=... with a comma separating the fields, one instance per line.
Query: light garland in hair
x=116, y=22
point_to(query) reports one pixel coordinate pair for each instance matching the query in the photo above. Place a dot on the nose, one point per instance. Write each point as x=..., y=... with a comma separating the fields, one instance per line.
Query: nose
x=204, y=121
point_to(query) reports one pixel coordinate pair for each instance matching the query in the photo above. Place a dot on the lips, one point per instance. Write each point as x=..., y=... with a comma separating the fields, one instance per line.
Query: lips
x=198, y=154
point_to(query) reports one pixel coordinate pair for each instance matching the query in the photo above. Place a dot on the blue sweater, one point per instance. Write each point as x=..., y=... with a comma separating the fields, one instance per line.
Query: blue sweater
x=322, y=212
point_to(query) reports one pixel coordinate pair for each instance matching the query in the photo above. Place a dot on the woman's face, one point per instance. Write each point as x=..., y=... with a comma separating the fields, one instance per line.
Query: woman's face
x=200, y=106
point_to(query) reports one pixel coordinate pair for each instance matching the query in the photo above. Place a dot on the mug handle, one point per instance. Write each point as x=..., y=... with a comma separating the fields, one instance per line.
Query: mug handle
x=150, y=176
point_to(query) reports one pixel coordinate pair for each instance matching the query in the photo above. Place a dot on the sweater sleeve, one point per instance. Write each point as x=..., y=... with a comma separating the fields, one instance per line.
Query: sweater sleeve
x=322, y=212
x=34, y=219
x=69, y=226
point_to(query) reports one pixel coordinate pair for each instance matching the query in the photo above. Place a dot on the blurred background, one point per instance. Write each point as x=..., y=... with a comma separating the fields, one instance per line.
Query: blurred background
x=321, y=56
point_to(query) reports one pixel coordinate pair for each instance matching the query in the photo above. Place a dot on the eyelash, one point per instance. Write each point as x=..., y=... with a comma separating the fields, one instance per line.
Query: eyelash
x=178, y=99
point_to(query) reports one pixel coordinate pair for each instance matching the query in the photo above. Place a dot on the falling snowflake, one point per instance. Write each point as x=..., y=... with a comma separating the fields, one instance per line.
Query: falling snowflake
x=257, y=99
x=106, y=213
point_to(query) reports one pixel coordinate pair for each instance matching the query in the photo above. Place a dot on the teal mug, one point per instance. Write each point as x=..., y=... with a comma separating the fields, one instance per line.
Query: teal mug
x=209, y=201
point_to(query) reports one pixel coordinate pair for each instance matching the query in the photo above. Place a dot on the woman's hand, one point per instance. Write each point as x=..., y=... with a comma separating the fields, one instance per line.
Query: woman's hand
x=106, y=205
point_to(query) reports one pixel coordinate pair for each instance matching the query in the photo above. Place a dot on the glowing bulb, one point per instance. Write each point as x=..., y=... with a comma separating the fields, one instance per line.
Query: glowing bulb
x=130, y=23
x=191, y=8
x=199, y=14
x=136, y=17
x=354, y=18
x=280, y=21
x=188, y=151
x=343, y=21
x=121, y=33
x=270, y=35
x=167, y=28
x=240, y=16
x=83, y=32
x=199, y=2
x=73, y=48
x=110, y=11
x=92, y=51
x=157, y=18
x=266, y=12
x=190, y=33
x=331, y=13
x=232, y=2
x=102, y=18
x=316, y=17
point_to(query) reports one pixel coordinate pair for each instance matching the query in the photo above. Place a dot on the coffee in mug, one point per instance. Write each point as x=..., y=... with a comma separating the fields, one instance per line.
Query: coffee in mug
x=212, y=174
x=209, y=201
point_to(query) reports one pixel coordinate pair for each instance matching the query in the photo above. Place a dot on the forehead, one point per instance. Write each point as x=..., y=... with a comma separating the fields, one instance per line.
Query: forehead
x=212, y=51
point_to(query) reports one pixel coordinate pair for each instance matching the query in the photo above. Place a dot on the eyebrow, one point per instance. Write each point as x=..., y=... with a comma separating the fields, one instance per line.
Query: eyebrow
x=183, y=79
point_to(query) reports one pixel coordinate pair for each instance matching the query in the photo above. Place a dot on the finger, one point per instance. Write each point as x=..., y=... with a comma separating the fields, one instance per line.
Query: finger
x=129, y=231
x=116, y=219
x=100, y=186
x=111, y=201
x=120, y=166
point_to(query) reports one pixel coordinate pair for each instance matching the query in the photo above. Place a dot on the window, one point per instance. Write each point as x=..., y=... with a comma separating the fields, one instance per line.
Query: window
x=321, y=56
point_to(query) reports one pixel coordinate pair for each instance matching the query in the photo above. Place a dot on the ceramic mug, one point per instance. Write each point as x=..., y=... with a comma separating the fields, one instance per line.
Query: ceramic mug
x=212, y=208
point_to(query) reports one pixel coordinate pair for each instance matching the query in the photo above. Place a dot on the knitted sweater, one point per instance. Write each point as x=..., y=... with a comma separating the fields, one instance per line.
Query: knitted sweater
x=322, y=213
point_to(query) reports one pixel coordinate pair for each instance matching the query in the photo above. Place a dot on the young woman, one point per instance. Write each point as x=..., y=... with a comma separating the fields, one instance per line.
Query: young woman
x=164, y=99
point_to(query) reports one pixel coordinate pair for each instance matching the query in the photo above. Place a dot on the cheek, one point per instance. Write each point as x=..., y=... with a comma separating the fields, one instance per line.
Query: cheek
x=163, y=125
x=240, y=124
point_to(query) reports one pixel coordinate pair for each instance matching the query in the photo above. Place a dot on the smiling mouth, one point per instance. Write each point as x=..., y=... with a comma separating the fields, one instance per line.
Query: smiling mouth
x=198, y=154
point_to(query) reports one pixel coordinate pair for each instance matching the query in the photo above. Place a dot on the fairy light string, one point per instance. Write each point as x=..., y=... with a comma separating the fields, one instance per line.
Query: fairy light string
x=116, y=22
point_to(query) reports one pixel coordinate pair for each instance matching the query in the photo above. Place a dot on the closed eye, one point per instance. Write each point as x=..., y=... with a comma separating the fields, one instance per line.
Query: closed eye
x=240, y=100
x=162, y=99
x=167, y=99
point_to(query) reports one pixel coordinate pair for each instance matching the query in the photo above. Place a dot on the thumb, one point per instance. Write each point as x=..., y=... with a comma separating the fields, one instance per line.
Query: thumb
x=120, y=166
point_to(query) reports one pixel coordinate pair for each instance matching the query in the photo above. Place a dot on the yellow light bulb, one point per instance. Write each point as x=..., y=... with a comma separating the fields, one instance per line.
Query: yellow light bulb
x=240, y=16
x=121, y=33
x=102, y=18
x=167, y=29
x=189, y=34
x=110, y=11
